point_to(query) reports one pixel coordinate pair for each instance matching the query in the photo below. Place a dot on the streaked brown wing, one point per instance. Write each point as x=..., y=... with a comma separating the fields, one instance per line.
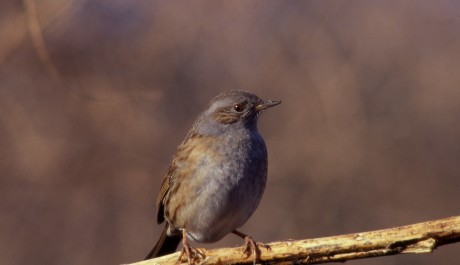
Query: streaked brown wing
x=192, y=147
x=163, y=192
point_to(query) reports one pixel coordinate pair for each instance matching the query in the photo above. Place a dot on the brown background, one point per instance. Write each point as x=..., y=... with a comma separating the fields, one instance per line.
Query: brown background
x=367, y=137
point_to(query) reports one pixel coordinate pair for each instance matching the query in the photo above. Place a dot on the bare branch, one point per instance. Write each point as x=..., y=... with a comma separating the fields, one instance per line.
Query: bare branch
x=416, y=238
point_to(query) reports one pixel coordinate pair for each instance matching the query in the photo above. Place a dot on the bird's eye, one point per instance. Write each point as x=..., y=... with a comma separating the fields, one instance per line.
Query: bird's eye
x=238, y=107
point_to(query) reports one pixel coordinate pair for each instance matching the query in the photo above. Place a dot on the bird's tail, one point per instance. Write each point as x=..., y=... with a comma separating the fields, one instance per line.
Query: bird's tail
x=165, y=244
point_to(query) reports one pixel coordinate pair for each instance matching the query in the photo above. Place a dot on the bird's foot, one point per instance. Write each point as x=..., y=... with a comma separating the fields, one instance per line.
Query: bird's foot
x=250, y=246
x=191, y=253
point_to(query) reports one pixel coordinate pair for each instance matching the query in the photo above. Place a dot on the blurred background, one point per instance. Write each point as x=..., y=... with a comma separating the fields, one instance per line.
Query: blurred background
x=96, y=95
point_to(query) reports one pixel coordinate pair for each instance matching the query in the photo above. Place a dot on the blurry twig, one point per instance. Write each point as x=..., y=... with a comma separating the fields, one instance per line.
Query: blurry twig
x=33, y=25
x=35, y=31
x=415, y=239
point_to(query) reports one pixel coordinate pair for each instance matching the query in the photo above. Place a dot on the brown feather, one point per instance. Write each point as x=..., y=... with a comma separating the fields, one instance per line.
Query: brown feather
x=166, y=185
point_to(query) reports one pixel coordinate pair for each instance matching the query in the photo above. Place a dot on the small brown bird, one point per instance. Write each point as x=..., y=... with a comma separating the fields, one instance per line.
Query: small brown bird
x=216, y=178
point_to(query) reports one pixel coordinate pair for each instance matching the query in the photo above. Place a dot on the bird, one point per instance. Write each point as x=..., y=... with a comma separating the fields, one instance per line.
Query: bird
x=216, y=178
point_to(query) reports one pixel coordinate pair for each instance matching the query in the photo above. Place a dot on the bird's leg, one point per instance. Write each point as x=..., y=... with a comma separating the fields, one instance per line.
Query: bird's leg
x=186, y=249
x=249, y=244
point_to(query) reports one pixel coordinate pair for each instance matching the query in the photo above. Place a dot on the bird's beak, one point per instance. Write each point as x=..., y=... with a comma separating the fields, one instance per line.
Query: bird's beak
x=267, y=104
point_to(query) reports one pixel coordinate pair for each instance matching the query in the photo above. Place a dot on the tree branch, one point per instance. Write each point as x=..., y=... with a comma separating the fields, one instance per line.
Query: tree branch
x=416, y=238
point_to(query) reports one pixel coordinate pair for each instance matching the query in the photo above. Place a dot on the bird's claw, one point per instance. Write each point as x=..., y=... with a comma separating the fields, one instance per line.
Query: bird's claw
x=251, y=247
x=191, y=253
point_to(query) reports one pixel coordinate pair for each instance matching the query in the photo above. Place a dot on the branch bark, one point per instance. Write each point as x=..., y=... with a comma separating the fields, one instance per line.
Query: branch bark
x=416, y=238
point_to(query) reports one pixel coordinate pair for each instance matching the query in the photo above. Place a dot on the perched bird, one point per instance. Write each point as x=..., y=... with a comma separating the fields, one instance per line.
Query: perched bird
x=216, y=178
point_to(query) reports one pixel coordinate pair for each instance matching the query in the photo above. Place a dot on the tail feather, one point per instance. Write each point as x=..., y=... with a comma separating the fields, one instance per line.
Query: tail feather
x=165, y=245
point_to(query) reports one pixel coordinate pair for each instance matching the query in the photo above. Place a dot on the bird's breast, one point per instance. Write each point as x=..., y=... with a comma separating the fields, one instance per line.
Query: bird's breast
x=223, y=178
